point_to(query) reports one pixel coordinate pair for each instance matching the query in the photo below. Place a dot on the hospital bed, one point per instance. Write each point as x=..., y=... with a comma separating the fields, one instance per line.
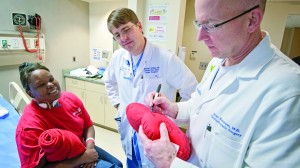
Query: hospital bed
x=17, y=97
x=8, y=150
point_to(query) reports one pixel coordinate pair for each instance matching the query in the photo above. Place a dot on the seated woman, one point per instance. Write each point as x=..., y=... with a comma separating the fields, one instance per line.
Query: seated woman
x=52, y=109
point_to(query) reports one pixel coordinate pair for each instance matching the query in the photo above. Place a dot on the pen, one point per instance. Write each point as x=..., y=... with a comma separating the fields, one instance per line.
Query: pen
x=156, y=95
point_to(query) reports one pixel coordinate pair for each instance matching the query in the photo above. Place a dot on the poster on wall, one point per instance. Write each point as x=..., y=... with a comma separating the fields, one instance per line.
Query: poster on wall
x=96, y=54
x=157, y=19
x=158, y=13
x=157, y=32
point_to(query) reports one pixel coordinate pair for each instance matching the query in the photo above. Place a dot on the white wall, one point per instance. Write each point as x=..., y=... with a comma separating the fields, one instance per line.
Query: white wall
x=100, y=37
x=65, y=24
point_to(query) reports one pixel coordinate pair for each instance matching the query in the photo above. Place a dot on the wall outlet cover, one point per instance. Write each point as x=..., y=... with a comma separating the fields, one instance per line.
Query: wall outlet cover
x=19, y=19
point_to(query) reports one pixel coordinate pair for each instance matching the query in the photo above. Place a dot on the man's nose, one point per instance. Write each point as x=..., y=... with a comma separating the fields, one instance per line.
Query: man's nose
x=202, y=34
x=123, y=36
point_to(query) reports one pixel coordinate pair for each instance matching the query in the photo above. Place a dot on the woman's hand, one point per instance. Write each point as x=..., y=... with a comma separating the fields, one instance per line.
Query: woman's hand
x=90, y=155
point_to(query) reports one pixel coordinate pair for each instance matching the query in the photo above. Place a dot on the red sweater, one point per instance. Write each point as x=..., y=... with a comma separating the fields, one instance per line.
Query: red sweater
x=70, y=115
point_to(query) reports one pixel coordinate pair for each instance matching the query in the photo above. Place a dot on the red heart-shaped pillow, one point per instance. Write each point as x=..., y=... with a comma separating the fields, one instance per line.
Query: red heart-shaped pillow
x=138, y=114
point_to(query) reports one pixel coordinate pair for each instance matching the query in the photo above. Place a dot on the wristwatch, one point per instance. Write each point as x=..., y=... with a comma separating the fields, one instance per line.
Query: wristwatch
x=117, y=105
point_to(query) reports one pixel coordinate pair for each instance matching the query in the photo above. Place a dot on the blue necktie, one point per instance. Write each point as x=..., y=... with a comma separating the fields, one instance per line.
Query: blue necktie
x=136, y=149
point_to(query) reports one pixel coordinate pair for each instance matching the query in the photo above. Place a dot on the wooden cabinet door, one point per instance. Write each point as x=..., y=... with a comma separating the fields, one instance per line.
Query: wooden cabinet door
x=110, y=113
x=94, y=103
x=77, y=87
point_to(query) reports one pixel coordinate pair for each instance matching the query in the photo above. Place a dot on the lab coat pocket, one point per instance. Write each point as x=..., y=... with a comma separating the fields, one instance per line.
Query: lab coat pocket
x=224, y=151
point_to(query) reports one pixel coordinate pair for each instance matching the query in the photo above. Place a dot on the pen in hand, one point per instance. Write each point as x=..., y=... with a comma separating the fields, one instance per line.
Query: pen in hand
x=156, y=95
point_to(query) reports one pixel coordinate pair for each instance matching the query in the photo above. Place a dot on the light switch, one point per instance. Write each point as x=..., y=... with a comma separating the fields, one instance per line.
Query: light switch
x=15, y=43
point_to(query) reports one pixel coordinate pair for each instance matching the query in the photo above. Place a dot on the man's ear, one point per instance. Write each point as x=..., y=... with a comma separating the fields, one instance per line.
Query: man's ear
x=139, y=25
x=255, y=20
x=29, y=93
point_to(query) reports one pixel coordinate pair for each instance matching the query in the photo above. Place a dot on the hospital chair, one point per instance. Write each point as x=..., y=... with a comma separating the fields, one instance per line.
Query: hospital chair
x=17, y=97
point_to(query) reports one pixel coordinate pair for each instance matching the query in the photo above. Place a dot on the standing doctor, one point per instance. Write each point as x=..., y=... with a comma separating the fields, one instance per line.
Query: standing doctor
x=246, y=110
x=137, y=69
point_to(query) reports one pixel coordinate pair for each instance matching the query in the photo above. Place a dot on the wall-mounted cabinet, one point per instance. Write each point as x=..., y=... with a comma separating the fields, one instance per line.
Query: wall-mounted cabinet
x=95, y=99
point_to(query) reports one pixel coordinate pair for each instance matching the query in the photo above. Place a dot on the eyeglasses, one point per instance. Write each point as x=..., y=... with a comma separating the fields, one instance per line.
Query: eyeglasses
x=124, y=31
x=209, y=27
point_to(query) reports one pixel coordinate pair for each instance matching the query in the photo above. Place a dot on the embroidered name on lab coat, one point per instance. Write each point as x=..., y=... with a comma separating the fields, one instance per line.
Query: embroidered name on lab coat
x=234, y=131
x=151, y=70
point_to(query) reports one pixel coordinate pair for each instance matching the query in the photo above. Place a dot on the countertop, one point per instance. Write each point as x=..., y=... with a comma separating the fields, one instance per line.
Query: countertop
x=66, y=73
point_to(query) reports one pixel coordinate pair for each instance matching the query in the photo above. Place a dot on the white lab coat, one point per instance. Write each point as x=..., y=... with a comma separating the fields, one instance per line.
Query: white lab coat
x=158, y=66
x=252, y=112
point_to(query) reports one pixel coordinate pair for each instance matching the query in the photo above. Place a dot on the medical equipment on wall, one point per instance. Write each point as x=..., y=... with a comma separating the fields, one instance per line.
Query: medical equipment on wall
x=24, y=44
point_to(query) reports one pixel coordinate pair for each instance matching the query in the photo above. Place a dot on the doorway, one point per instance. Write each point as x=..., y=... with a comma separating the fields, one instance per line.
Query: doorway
x=291, y=37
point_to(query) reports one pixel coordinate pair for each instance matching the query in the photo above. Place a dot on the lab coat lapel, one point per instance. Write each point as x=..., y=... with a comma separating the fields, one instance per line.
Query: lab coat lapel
x=127, y=58
x=146, y=56
x=218, y=88
x=209, y=80
x=226, y=81
x=139, y=72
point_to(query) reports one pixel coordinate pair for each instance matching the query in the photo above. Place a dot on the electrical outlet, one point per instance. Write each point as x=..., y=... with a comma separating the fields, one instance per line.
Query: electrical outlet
x=15, y=43
x=203, y=65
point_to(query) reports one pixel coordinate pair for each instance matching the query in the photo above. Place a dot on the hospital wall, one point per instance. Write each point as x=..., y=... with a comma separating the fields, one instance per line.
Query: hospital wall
x=100, y=37
x=65, y=24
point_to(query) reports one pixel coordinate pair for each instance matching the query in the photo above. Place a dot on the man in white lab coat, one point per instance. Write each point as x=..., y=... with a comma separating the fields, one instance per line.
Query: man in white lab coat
x=246, y=110
x=137, y=69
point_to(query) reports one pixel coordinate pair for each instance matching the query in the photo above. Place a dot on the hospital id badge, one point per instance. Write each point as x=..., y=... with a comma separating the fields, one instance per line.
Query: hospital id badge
x=127, y=74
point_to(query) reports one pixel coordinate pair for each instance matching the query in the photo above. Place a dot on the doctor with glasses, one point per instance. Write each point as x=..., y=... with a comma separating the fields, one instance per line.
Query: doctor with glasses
x=245, y=111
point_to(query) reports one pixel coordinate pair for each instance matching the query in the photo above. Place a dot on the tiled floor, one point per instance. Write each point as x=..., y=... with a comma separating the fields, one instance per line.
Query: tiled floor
x=110, y=141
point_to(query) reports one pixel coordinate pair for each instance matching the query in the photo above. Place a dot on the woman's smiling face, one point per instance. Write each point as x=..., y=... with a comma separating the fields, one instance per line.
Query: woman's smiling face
x=43, y=87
